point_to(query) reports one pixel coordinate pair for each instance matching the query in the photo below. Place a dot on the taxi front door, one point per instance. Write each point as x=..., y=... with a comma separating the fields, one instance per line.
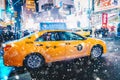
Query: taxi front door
x=52, y=50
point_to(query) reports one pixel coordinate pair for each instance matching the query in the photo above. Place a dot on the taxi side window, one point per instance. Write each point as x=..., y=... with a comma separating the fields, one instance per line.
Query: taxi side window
x=41, y=38
x=59, y=36
x=54, y=36
x=73, y=36
x=62, y=36
x=70, y=36
x=49, y=36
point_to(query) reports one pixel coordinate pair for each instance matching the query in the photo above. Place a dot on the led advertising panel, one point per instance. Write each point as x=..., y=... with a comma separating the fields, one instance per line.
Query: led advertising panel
x=106, y=4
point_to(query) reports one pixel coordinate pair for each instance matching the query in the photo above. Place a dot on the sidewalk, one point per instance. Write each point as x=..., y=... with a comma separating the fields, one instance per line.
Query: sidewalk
x=4, y=70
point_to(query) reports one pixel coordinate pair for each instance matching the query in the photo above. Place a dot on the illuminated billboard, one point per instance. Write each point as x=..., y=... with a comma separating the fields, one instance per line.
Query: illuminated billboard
x=2, y=8
x=106, y=4
x=59, y=3
x=30, y=4
x=104, y=20
x=53, y=26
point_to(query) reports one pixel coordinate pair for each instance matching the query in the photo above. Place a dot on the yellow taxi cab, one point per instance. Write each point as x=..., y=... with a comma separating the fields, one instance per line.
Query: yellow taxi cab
x=83, y=32
x=36, y=49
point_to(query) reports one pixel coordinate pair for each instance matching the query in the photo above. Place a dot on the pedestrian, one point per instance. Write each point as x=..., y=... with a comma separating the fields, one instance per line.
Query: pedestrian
x=106, y=32
x=4, y=35
x=26, y=32
x=1, y=38
x=103, y=32
x=112, y=31
x=1, y=41
x=97, y=33
x=48, y=37
x=10, y=35
x=7, y=35
x=93, y=31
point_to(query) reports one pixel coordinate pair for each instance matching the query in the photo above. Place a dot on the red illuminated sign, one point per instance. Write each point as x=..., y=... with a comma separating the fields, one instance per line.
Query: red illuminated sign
x=104, y=20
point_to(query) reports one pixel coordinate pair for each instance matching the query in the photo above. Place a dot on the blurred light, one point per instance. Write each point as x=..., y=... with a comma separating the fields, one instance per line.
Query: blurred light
x=5, y=77
x=10, y=8
x=29, y=24
x=97, y=78
x=16, y=77
x=0, y=12
x=4, y=70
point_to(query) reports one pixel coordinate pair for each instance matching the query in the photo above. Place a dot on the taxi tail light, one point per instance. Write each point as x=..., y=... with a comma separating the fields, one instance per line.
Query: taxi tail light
x=7, y=47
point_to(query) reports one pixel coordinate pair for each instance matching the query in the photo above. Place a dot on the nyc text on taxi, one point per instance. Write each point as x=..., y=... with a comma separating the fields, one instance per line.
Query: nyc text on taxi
x=49, y=46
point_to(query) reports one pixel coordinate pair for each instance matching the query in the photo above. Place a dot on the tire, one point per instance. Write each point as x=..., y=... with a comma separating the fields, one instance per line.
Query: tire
x=96, y=52
x=34, y=61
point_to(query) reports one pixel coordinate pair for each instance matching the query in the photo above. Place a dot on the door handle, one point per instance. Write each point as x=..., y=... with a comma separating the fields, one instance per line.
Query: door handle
x=67, y=43
x=54, y=47
x=47, y=47
x=39, y=45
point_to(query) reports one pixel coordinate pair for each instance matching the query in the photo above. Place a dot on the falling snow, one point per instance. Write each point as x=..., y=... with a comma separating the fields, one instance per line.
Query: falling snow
x=84, y=68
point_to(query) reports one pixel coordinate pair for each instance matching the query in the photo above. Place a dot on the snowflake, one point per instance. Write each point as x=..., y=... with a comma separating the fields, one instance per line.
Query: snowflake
x=16, y=77
x=97, y=78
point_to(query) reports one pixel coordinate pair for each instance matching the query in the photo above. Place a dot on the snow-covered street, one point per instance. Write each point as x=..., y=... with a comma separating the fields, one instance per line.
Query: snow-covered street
x=106, y=68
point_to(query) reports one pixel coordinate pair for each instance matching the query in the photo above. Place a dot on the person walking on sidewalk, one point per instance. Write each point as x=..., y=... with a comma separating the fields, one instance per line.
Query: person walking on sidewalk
x=93, y=31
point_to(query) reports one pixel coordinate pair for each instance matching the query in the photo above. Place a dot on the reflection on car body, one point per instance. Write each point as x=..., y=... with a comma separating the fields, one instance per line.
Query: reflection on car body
x=50, y=46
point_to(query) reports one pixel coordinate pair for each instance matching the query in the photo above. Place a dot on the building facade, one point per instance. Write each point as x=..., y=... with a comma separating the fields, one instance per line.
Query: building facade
x=2, y=8
x=2, y=13
x=108, y=8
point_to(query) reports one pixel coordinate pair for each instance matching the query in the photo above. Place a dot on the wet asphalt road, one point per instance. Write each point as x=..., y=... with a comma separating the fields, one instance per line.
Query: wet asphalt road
x=105, y=68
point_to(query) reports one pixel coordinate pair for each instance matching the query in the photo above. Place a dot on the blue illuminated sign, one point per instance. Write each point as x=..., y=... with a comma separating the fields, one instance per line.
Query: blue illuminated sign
x=52, y=26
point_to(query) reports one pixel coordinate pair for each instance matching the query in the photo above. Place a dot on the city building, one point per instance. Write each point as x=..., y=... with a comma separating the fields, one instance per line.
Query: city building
x=49, y=11
x=28, y=12
x=45, y=5
x=2, y=13
x=6, y=13
x=106, y=13
x=2, y=8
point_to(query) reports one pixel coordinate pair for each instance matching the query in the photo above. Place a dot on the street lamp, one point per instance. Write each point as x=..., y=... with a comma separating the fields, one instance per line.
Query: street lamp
x=89, y=14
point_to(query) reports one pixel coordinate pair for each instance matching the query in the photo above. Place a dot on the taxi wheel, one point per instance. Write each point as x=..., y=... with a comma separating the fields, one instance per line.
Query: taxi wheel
x=34, y=61
x=96, y=52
